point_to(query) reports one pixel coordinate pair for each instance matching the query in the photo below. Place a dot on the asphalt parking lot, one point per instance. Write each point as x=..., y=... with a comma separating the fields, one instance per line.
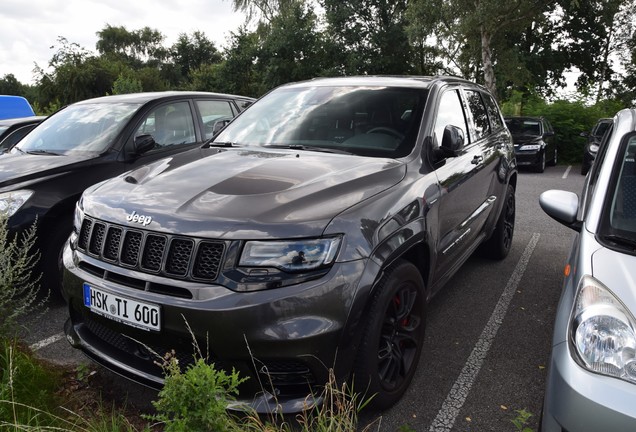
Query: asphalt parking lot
x=488, y=332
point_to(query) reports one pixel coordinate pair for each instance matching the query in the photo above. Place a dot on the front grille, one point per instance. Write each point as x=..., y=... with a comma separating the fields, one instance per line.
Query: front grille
x=150, y=252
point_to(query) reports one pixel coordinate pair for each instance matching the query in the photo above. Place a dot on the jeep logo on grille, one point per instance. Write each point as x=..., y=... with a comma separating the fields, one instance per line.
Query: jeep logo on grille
x=137, y=218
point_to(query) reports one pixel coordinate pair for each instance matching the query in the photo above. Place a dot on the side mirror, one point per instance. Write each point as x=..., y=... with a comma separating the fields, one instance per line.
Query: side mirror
x=143, y=143
x=548, y=134
x=561, y=206
x=452, y=141
x=584, y=134
x=219, y=125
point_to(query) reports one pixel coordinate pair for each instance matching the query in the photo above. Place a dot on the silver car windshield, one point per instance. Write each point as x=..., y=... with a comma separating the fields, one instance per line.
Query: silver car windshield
x=369, y=121
x=79, y=128
x=618, y=226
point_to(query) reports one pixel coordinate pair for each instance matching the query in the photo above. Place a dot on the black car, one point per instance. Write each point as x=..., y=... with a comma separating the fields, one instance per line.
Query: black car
x=309, y=234
x=594, y=138
x=14, y=129
x=534, y=142
x=43, y=176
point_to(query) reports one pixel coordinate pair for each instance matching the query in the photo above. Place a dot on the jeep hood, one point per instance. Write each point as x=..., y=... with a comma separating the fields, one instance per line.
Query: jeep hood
x=24, y=169
x=242, y=193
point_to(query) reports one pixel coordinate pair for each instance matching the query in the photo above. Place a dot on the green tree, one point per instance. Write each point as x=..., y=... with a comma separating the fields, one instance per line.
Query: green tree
x=9, y=85
x=238, y=73
x=192, y=52
x=291, y=48
x=463, y=33
x=369, y=35
x=137, y=48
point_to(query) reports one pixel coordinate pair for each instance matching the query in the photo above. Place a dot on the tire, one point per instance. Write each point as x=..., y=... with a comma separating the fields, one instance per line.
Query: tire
x=498, y=245
x=52, y=260
x=554, y=159
x=392, y=343
x=540, y=167
x=584, y=168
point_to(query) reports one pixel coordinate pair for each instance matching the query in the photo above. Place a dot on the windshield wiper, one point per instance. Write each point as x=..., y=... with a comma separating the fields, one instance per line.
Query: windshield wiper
x=43, y=152
x=221, y=144
x=621, y=241
x=310, y=148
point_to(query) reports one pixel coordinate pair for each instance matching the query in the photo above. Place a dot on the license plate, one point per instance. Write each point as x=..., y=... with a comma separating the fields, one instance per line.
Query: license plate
x=122, y=309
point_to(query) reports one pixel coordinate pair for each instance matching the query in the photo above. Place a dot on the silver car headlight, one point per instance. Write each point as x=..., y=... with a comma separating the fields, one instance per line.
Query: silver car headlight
x=530, y=147
x=603, y=331
x=10, y=202
x=291, y=255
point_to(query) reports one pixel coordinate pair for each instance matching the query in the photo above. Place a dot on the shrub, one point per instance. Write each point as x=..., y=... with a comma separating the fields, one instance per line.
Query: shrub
x=195, y=400
x=19, y=288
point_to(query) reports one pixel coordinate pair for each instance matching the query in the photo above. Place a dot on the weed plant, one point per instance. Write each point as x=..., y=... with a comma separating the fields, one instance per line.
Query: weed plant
x=19, y=289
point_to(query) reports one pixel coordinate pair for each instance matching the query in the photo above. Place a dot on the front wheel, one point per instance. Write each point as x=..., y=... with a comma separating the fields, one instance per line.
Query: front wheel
x=392, y=342
x=540, y=166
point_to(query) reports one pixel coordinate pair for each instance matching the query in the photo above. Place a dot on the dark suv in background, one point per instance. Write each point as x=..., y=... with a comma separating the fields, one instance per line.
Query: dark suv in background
x=309, y=234
x=594, y=138
x=534, y=141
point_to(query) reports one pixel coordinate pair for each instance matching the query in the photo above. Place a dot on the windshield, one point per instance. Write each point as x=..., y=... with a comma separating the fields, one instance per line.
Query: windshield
x=78, y=128
x=369, y=121
x=618, y=225
x=524, y=126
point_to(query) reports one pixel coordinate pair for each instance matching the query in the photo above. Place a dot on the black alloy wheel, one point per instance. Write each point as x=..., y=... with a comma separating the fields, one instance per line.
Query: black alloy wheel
x=392, y=344
x=500, y=242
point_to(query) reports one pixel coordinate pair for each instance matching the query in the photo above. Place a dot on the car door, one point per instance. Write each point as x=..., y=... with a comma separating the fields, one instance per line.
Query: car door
x=467, y=195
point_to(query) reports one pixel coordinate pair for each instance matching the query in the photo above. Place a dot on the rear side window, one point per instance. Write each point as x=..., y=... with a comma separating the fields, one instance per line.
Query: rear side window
x=481, y=126
x=493, y=112
x=215, y=114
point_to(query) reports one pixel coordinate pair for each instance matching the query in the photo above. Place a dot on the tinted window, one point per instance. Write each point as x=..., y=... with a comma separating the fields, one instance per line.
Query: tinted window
x=215, y=114
x=524, y=126
x=170, y=124
x=493, y=112
x=450, y=112
x=370, y=121
x=478, y=110
x=618, y=223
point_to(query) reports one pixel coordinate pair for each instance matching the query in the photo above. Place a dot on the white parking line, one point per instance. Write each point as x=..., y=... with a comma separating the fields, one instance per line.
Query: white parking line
x=46, y=342
x=459, y=392
x=567, y=171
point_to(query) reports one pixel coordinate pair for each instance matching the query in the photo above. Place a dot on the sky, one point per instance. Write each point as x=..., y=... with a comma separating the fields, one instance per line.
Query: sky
x=29, y=31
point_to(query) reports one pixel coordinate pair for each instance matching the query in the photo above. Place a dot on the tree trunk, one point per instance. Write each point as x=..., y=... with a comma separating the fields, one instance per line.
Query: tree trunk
x=486, y=60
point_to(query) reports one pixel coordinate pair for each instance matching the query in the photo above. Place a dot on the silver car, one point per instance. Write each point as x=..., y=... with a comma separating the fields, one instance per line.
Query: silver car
x=591, y=383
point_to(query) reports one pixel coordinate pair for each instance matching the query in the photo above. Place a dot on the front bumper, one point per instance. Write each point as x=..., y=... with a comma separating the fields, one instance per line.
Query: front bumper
x=528, y=158
x=284, y=340
x=582, y=401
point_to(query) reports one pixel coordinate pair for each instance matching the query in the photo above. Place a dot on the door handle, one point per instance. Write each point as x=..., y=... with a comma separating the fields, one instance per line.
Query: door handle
x=477, y=159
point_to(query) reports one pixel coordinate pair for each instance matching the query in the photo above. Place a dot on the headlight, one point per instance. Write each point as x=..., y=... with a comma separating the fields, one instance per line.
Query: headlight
x=10, y=202
x=78, y=215
x=593, y=148
x=603, y=331
x=530, y=147
x=291, y=255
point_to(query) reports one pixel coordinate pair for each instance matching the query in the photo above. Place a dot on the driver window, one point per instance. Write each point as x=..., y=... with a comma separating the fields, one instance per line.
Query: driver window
x=215, y=115
x=450, y=112
x=169, y=124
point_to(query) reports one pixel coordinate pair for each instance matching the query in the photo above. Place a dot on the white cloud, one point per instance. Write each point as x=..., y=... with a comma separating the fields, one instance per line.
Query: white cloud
x=29, y=30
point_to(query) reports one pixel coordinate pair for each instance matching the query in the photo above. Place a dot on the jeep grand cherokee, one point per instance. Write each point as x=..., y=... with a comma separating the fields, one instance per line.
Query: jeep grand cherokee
x=308, y=235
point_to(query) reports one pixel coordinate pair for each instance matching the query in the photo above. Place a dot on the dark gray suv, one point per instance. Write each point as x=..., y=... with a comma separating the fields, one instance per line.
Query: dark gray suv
x=309, y=234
